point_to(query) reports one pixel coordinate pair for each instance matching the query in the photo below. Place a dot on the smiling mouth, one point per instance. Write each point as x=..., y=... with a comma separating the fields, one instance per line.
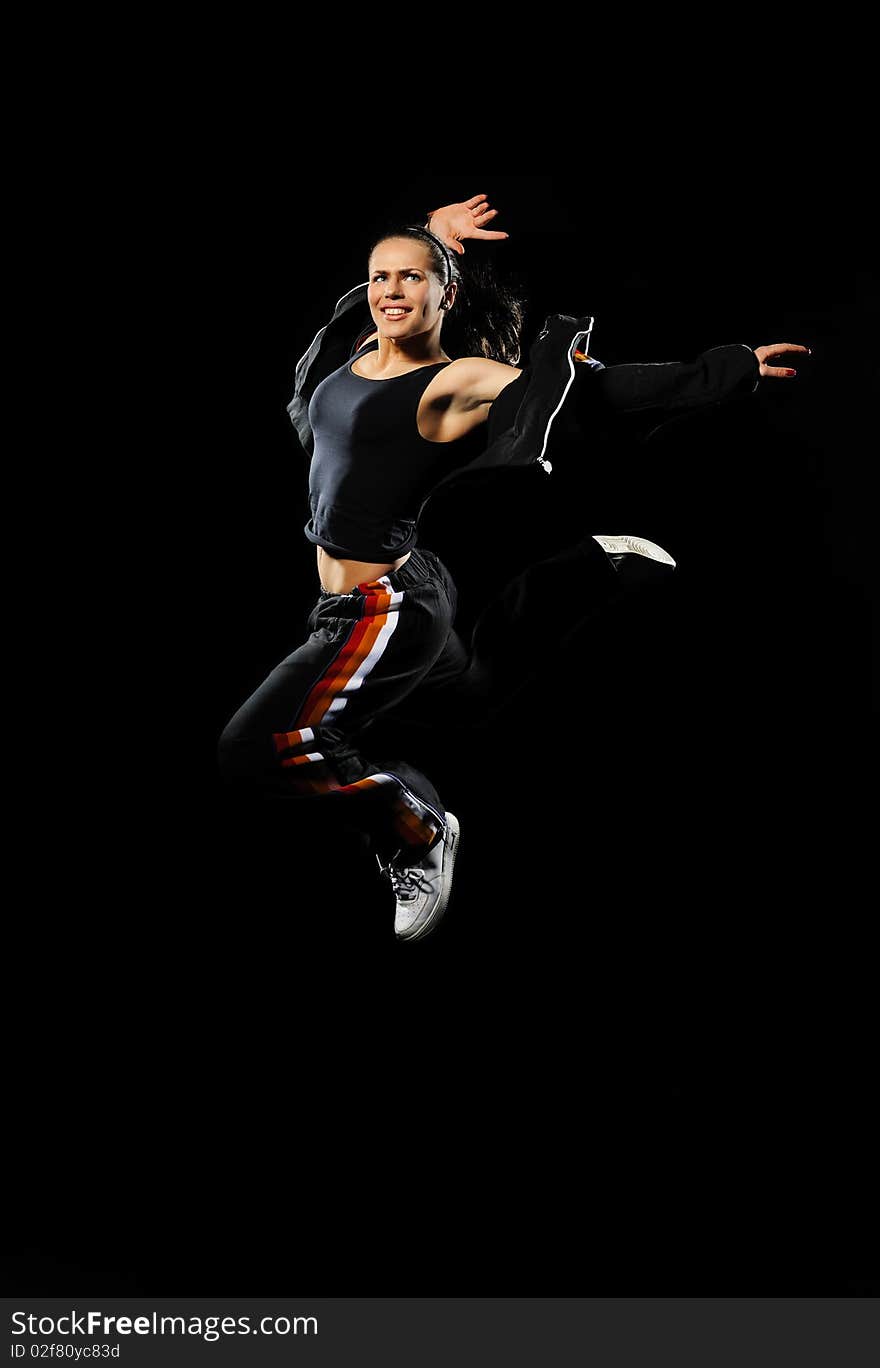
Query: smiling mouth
x=396, y=312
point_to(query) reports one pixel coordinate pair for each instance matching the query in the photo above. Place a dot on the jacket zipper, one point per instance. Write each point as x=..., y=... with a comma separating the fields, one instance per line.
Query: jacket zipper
x=571, y=347
x=416, y=797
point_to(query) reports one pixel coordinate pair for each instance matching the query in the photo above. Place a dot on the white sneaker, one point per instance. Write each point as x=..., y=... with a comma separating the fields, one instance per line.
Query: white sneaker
x=422, y=890
x=621, y=546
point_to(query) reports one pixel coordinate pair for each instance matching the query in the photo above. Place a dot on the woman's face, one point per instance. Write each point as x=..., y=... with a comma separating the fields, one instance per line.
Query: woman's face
x=404, y=294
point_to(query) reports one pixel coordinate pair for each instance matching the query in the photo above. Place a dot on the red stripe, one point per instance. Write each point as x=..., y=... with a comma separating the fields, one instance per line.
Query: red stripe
x=350, y=658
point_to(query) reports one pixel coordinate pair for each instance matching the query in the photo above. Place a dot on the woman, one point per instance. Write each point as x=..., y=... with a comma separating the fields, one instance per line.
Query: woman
x=387, y=422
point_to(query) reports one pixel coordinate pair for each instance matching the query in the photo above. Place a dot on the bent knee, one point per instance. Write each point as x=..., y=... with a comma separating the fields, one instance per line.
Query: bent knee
x=240, y=756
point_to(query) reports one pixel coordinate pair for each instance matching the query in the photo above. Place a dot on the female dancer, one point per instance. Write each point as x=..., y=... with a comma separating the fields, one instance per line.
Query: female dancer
x=388, y=417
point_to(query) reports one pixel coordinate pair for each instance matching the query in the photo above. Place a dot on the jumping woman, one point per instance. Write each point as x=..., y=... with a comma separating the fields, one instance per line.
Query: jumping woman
x=387, y=417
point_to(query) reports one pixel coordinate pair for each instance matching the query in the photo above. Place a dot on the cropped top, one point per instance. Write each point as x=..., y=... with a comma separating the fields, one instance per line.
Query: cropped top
x=372, y=469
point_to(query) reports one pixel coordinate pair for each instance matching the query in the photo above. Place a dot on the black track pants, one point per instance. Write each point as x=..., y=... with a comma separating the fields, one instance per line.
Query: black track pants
x=390, y=644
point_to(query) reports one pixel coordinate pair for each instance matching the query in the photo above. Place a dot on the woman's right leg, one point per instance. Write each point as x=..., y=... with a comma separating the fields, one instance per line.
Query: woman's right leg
x=523, y=633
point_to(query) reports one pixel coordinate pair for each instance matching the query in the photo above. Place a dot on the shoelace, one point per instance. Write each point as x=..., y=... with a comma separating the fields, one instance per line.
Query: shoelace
x=407, y=883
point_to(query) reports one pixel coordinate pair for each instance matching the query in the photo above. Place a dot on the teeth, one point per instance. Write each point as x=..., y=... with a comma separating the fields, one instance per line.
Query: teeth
x=395, y=312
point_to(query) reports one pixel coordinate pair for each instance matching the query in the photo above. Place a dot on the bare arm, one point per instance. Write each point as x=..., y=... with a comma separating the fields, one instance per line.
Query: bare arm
x=475, y=383
x=479, y=381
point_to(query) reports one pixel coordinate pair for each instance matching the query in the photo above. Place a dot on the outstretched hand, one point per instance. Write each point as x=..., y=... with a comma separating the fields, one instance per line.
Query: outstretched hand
x=465, y=220
x=776, y=349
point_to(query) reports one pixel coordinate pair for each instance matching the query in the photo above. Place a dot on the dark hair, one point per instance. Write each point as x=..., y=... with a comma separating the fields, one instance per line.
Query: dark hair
x=487, y=316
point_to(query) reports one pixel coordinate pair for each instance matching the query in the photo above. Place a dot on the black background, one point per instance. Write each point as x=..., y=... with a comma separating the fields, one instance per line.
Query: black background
x=635, y=1057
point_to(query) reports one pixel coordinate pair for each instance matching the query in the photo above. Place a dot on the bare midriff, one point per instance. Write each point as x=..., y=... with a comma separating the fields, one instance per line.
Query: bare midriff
x=341, y=576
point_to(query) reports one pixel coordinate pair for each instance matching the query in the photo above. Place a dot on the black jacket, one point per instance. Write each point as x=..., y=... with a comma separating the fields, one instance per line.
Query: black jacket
x=521, y=418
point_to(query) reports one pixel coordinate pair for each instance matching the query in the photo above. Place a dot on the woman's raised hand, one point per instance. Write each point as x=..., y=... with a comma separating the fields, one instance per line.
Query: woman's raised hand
x=776, y=349
x=465, y=220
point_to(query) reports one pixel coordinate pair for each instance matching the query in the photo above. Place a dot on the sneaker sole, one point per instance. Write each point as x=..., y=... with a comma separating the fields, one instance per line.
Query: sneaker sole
x=639, y=545
x=431, y=922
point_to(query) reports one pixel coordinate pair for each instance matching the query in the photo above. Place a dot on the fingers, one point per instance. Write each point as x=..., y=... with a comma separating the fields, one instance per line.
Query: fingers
x=452, y=243
x=776, y=348
x=480, y=211
x=483, y=215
